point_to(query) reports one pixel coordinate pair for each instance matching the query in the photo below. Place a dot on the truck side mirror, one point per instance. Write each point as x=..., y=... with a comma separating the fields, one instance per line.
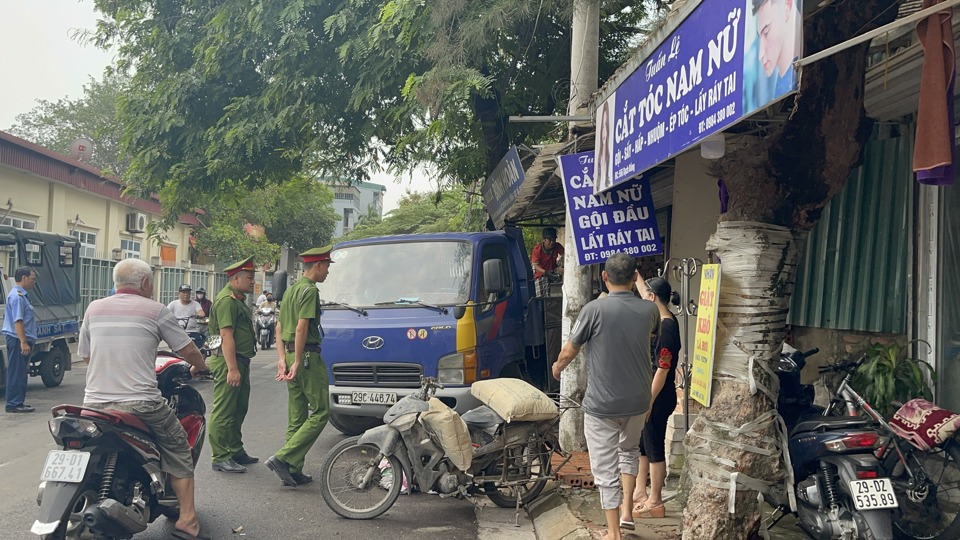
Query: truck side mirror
x=279, y=284
x=459, y=311
x=493, y=276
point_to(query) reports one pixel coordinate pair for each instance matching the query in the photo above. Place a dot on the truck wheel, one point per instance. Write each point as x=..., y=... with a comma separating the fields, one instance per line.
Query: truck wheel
x=52, y=365
x=353, y=425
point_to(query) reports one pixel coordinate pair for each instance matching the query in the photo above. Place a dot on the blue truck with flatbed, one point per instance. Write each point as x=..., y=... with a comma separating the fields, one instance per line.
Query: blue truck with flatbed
x=56, y=298
x=461, y=307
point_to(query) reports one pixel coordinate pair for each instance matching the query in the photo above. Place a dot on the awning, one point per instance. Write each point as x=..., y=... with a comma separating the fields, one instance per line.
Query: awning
x=541, y=194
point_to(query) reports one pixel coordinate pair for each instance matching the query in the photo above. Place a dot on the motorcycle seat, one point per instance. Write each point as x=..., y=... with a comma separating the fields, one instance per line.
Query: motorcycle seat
x=482, y=417
x=128, y=419
x=830, y=423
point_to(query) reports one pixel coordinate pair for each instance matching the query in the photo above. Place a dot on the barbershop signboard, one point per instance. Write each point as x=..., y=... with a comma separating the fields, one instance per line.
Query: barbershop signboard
x=502, y=186
x=727, y=59
x=620, y=220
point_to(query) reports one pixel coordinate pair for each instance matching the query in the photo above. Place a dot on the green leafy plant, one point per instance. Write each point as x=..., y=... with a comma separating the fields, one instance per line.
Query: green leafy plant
x=889, y=373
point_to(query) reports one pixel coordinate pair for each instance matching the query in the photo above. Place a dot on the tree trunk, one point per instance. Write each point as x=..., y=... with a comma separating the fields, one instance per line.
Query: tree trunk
x=777, y=184
x=577, y=287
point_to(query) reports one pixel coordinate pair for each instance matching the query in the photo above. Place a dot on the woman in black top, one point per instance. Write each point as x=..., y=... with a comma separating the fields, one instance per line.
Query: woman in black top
x=666, y=355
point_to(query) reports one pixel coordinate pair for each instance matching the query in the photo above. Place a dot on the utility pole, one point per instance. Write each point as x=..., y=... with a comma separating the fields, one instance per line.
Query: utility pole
x=577, y=286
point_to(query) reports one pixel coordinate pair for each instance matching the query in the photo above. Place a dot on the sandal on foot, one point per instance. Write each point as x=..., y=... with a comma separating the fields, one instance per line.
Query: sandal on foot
x=628, y=525
x=184, y=535
x=647, y=512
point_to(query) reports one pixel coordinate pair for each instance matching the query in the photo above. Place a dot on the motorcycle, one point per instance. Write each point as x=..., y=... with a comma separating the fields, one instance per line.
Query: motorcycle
x=106, y=482
x=266, y=326
x=362, y=477
x=839, y=489
x=199, y=338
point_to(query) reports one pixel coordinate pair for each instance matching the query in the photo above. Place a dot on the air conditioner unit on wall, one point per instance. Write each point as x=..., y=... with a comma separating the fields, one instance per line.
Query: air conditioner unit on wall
x=136, y=222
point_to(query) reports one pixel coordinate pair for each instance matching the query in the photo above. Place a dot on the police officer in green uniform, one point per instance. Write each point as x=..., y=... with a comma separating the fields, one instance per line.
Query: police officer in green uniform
x=299, y=334
x=232, y=321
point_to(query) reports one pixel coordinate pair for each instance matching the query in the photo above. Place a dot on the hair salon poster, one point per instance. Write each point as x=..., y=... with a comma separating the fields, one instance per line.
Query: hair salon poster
x=727, y=59
x=621, y=220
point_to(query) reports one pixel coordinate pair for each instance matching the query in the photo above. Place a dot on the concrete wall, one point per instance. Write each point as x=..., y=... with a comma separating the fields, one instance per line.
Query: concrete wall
x=696, y=208
x=54, y=206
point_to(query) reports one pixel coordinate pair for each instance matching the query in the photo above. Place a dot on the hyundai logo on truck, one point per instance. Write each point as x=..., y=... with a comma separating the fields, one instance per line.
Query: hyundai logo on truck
x=372, y=342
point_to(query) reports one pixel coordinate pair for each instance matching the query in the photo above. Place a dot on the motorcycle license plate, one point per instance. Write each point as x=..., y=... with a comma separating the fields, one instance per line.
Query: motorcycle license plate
x=873, y=494
x=65, y=466
x=380, y=398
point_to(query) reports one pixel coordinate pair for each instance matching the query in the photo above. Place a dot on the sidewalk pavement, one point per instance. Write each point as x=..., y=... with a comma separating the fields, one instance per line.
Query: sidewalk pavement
x=570, y=510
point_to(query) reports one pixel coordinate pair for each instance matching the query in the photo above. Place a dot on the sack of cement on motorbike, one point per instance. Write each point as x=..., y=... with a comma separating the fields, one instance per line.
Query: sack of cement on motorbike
x=515, y=400
x=447, y=428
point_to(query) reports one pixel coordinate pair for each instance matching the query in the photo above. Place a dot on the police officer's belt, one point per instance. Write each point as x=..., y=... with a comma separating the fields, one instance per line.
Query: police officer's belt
x=308, y=347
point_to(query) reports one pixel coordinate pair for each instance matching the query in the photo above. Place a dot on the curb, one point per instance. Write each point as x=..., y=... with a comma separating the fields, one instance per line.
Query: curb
x=553, y=519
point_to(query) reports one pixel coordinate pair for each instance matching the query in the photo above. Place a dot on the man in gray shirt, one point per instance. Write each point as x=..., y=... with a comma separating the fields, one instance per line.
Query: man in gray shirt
x=618, y=329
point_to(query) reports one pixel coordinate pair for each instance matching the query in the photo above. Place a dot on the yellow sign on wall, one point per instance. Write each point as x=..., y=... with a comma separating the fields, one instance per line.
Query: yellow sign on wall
x=703, y=344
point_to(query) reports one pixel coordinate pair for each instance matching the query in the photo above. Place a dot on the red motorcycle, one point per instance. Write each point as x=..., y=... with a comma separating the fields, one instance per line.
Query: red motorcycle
x=106, y=482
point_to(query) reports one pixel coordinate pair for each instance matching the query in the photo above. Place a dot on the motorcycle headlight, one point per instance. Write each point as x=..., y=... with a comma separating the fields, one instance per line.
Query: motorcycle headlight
x=458, y=368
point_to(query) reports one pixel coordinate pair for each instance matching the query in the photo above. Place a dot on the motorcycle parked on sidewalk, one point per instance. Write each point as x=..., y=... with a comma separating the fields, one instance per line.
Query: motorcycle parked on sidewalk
x=106, y=482
x=362, y=477
x=266, y=327
x=925, y=473
x=839, y=489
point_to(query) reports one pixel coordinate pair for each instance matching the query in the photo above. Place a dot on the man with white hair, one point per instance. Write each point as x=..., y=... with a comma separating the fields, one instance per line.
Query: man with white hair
x=122, y=373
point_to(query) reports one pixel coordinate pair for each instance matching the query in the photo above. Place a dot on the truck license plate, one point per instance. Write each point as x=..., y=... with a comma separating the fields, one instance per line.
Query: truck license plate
x=65, y=466
x=873, y=494
x=380, y=398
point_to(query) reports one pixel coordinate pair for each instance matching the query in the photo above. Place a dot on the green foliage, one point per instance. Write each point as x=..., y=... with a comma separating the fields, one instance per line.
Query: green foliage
x=890, y=374
x=298, y=214
x=56, y=124
x=233, y=95
x=425, y=213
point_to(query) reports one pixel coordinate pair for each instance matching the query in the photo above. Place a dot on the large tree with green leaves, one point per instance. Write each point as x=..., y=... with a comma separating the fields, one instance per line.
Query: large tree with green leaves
x=56, y=124
x=235, y=94
x=298, y=214
x=425, y=213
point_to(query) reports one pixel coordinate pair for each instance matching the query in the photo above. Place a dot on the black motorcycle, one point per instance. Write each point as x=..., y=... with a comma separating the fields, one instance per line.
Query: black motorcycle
x=106, y=482
x=838, y=488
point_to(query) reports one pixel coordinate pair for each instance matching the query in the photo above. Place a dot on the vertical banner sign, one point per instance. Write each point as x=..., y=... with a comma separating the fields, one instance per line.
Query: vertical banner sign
x=706, y=337
x=621, y=220
x=502, y=186
x=726, y=60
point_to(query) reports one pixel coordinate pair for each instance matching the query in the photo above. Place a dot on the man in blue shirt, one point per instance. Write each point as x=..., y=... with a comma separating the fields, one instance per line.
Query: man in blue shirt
x=20, y=331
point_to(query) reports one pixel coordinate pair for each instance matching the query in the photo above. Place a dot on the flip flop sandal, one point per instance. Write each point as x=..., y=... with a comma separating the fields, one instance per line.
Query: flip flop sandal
x=648, y=512
x=628, y=525
x=184, y=535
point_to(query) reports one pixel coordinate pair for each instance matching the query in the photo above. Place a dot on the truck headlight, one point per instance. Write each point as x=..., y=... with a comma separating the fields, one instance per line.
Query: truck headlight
x=458, y=368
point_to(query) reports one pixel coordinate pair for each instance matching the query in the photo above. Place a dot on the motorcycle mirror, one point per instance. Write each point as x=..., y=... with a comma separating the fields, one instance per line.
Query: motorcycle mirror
x=213, y=342
x=279, y=284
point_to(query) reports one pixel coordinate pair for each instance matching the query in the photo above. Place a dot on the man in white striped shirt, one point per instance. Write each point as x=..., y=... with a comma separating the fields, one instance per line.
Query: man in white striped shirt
x=118, y=340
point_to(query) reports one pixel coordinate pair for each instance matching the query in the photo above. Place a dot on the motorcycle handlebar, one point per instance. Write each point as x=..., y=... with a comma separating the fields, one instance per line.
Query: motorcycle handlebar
x=811, y=352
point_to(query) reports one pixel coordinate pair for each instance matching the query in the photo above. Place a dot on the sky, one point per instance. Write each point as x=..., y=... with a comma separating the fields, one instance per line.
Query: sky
x=39, y=60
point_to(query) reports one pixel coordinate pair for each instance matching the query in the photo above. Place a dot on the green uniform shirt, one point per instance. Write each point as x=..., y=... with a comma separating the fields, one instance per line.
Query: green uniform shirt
x=229, y=310
x=301, y=301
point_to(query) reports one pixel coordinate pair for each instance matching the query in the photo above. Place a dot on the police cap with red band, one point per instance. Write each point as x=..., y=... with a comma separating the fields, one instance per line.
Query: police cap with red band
x=244, y=265
x=315, y=255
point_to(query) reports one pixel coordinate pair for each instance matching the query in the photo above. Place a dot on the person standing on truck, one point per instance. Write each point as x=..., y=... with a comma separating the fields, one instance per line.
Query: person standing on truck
x=232, y=321
x=118, y=341
x=546, y=258
x=299, y=333
x=186, y=310
x=618, y=329
x=20, y=331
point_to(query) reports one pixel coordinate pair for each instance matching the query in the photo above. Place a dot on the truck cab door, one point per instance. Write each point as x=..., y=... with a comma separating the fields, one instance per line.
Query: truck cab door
x=499, y=314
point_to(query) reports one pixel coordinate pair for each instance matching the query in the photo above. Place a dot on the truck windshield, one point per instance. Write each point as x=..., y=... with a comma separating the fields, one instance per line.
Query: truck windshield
x=432, y=272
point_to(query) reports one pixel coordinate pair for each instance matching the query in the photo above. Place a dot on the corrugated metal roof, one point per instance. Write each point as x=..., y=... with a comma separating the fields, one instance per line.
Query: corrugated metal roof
x=853, y=275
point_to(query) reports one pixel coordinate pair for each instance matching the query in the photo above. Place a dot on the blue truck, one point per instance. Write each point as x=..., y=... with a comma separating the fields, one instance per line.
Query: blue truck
x=457, y=306
x=56, y=298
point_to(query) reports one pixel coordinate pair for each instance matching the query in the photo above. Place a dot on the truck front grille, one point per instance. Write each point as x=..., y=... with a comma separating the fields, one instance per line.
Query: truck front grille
x=389, y=375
